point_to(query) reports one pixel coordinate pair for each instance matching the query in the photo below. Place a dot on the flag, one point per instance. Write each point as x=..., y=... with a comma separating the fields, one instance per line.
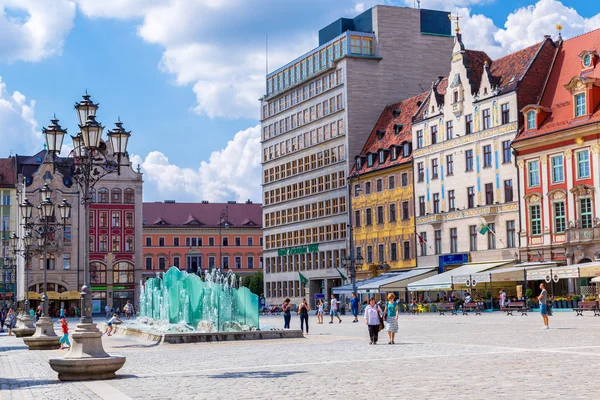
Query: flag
x=483, y=228
x=303, y=279
x=342, y=275
x=421, y=240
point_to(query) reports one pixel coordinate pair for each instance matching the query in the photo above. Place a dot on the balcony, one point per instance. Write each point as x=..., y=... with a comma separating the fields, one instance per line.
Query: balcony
x=582, y=235
x=457, y=108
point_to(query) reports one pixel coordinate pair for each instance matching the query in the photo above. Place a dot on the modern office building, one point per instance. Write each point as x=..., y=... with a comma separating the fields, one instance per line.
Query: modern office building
x=317, y=113
x=465, y=175
x=193, y=236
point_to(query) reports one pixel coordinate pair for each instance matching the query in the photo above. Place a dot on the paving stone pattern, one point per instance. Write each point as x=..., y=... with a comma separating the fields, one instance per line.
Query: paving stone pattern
x=492, y=356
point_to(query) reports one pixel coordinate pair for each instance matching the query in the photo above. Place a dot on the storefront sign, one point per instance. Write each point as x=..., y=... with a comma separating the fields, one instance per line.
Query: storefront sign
x=311, y=248
x=94, y=288
x=452, y=259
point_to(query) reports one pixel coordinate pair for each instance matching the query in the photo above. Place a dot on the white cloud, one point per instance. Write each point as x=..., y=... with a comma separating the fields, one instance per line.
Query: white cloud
x=230, y=174
x=31, y=30
x=18, y=129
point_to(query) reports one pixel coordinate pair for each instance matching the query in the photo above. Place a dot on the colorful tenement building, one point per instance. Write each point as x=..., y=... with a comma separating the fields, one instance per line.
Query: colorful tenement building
x=193, y=236
x=382, y=192
x=558, y=152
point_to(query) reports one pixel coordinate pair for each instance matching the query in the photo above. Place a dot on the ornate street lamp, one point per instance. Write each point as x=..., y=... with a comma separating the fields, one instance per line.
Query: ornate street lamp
x=25, y=326
x=89, y=162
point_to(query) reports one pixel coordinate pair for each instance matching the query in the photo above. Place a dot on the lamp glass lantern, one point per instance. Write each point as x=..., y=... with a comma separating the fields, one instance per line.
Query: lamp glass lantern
x=77, y=146
x=45, y=192
x=14, y=240
x=28, y=239
x=85, y=108
x=65, y=210
x=26, y=210
x=55, y=135
x=91, y=132
x=47, y=208
x=119, y=138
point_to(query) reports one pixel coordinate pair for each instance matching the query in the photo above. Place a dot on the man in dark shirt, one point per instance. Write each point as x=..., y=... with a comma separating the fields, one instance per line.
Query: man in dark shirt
x=354, y=306
x=542, y=298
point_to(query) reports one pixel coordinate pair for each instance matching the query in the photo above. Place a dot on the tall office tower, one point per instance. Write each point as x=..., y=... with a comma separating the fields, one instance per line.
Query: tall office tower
x=317, y=113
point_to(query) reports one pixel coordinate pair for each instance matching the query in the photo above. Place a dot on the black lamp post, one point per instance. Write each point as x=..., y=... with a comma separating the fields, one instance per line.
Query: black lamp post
x=26, y=251
x=89, y=161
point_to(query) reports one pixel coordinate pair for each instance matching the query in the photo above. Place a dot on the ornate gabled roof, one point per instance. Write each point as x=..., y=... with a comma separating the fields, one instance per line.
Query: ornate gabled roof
x=474, y=62
x=397, y=128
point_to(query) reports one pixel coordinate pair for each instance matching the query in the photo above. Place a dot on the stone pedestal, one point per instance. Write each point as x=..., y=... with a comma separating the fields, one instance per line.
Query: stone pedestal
x=25, y=326
x=44, y=337
x=86, y=359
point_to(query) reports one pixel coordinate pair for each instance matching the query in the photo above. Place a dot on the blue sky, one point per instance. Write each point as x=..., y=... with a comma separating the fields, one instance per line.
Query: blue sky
x=185, y=75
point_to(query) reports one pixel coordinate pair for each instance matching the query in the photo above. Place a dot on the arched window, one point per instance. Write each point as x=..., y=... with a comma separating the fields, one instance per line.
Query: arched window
x=97, y=272
x=93, y=195
x=102, y=195
x=115, y=196
x=49, y=262
x=123, y=272
x=129, y=197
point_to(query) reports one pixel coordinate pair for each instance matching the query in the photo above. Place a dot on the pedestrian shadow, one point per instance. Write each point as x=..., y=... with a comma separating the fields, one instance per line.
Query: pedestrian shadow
x=14, y=348
x=136, y=346
x=27, y=382
x=255, y=374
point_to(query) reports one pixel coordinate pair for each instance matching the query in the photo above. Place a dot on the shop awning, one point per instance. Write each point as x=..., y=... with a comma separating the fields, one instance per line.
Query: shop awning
x=397, y=281
x=72, y=295
x=584, y=270
x=458, y=276
x=516, y=273
x=53, y=295
x=34, y=296
x=596, y=279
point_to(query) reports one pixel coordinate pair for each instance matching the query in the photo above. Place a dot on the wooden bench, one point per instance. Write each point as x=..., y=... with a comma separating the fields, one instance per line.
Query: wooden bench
x=587, y=306
x=518, y=306
x=470, y=307
x=443, y=307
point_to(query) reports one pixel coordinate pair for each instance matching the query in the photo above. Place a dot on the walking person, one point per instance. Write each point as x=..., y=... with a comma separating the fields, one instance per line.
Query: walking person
x=333, y=310
x=319, y=312
x=543, y=298
x=11, y=321
x=502, y=298
x=391, y=318
x=3, y=312
x=372, y=318
x=354, y=304
x=303, y=310
x=287, y=313
x=65, y=337
x=38, y=313
x=110, y=324
x=62, y=312
x=107, y=311
x=128, y=309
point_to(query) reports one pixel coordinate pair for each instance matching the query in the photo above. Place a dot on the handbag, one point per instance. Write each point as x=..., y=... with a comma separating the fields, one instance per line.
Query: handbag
x=381, y=324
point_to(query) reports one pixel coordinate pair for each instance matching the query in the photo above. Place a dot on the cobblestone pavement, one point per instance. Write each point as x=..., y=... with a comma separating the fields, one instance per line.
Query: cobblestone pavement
x=492, y=356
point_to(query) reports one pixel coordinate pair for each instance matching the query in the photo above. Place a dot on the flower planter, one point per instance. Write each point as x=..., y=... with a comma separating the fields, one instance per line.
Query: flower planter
x=564, y=304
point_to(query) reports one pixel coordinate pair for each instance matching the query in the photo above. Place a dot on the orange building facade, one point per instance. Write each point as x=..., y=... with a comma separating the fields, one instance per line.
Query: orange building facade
x=198, y=236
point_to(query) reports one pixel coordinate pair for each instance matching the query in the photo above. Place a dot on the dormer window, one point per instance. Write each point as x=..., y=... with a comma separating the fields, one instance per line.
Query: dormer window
x=394, y=153
x=370, y=160
x=580, y=105
x=587, y=60
x=531, y=120
x=406, y=150
x=380, y=134
x=381, y=157
x=358, y=163
x=398, y=128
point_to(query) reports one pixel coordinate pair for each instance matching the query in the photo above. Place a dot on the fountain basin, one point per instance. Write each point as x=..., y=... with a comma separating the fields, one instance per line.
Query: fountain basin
x=86, y=369
x=202, y=337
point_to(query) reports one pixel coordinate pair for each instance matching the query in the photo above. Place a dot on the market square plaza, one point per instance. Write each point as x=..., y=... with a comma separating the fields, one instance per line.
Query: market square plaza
x=477, y=357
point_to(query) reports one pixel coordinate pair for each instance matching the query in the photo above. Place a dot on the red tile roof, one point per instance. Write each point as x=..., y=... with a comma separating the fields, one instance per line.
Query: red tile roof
x=507, y=71
x=207, y=215
x=8, y=175
x=383, y=135
x=474, y=62
x=558, y=99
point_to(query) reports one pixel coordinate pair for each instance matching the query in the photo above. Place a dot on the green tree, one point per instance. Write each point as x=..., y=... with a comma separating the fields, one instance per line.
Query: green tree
x=254, y=282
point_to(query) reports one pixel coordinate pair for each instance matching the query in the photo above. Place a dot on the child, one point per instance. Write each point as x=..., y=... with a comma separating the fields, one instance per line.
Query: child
x=65, y=337
x=110, y=322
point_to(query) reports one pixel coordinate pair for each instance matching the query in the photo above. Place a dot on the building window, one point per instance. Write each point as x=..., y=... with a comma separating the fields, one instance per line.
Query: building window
x=162, y=263
x=102, y=195
x=66, y=234
x=161, y=242
x=491, y=236
x=505, y=110
x=211, y=262
x=506, y=152
x=421, y=205
x=451, y=200
x=357, y=218
x=406, y=251
x=357, y=190
x=129, y=240
x=423, y=243
x=393, y=252
x=420, y=172
x=558, y=169
x=405, y=210
x=486, y=119
x=531, y=120
x=471, y=197
x=436, y=203
x=250, y=260
x=434, y=168
x=98, y=272
x=225, y=241
x=533, y=172
x=487, y=156
x=123, y=273
x=370, y=160
x=438, y=241
x=468, y=124
x=250, y=241
x=238, y=241
x=473, y=237
x=91, y=218
x=103, y=219
x=469, y=160
x=535, y=219
x=585, y=212
x=367, y=187
x=116, y=219
x=129, y=219
x=237, y=262
x=419, y=139
x=449, y=165
x=66, y=261
x=489, y=193
x=380, y=215
x=129, y=197
x=381, y=157
x=404, y=179
x=379, y=185
x=115, y=195
x=508, y=190
x=116, y=244
x=148, y=263
x=453, y=240
x=559, y=217
x=369, y=254
x=391, y=182
x=176, y=261
x=380, y=253
x=434, y=134
x=103, y=244
x=580, y=105
x=583, y=164
x=510, y=234
x=392, y=213
x=449, y=130
x=368, y=217
x=176, y=242
x=211, y=241
x=149, y=241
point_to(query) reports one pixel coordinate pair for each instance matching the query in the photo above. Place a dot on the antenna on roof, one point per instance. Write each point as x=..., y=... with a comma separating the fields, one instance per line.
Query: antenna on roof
x=559, y=29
